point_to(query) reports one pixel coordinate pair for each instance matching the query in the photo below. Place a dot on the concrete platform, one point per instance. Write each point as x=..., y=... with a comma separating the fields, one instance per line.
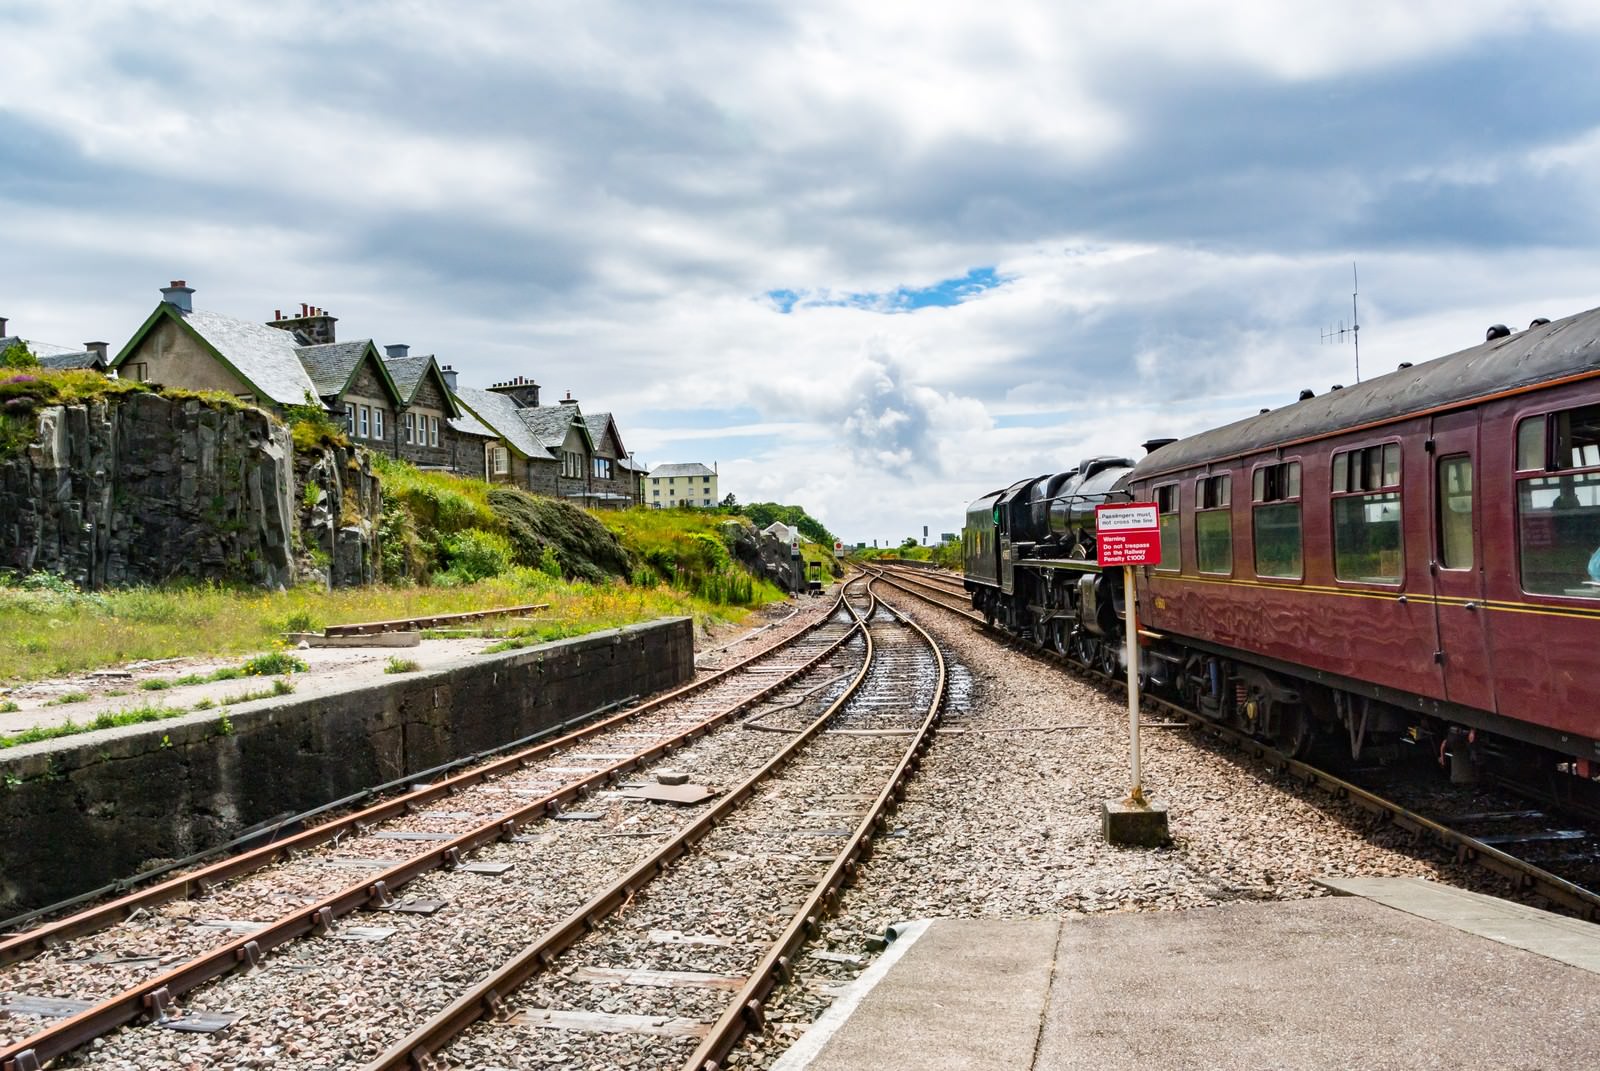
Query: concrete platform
x=1446, y=981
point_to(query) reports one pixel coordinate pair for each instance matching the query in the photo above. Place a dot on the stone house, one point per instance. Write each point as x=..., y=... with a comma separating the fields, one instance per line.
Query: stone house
x=514, y=456
x=614, y=482
x=389, y=403
x=424, y=435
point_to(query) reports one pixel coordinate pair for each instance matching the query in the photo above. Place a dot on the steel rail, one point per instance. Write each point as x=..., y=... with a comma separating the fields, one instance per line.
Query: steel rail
x=1527, y=876
x=777, y=966
x=484, y=999
x=37, y=939
x=154, y=995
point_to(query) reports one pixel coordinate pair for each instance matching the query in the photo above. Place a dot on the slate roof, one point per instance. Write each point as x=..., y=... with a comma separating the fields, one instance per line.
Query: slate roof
x=331, y=365
x=39, y=349
x=503, y=416
x=82, y=359
x=692, y=468
x=597, y=423
x=408, y=373
x=632, y=466
x=549, y=423
x=264, y=356
x=467, y=424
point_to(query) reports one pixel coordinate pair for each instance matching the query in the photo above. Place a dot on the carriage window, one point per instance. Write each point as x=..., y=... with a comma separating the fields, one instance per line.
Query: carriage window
x=1455, y=512
x=1171, y=532
x=1530, y=444
x=1213, y=524
x=1558, y=511
x=1276, y=520
x=1366, y=515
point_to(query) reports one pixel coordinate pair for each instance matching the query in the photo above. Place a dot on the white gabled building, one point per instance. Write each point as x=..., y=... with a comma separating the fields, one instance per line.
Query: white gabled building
x=690, y=484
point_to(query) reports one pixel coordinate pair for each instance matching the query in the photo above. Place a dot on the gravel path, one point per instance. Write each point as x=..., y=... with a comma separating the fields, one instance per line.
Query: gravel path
x=1004, y=820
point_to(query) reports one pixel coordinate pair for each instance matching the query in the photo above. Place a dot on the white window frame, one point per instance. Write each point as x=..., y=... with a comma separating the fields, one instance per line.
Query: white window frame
x=366, y=421
x=411, y=425
x=377, y=423
x=349, y=418
x=433, y=431
x=501, y=463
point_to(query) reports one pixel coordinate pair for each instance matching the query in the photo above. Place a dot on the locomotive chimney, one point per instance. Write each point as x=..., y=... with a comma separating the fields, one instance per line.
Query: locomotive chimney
x=1404, y=365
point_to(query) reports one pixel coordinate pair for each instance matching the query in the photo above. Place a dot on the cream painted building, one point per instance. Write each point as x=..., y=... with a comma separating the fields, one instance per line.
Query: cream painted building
x=689, y=484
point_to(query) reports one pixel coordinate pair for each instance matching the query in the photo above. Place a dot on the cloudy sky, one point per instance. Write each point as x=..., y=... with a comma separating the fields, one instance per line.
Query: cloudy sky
x=872, y=258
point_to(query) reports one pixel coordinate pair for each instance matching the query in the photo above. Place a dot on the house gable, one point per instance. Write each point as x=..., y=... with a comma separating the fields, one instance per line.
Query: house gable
x=166, y=349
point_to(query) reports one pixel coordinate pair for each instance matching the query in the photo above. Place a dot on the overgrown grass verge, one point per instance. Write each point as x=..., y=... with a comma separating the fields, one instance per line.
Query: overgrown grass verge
x=48, y=628
x=109, y=719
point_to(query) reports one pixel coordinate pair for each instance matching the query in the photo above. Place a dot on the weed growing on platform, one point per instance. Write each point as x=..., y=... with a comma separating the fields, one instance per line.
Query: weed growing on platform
x=67, y=697
x=273, y=663
x=109, y=719
x=402, y=665
x=155, y=685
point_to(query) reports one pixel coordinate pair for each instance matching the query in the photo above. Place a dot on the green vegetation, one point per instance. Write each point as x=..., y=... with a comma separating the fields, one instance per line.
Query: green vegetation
x=313, y=427
x=689, y=550
x=944, y=555
x=397, y=664
x=762, y=514
x=271, y=664
x=108, y=720
x=66, y=698
x=9, y=707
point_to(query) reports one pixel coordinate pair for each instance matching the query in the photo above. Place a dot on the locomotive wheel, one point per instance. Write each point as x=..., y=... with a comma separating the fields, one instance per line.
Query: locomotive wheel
x=988, y=611
x=1059, y=636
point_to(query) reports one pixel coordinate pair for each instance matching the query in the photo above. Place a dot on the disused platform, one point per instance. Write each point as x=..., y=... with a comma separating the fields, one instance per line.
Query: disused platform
x=1393, y=973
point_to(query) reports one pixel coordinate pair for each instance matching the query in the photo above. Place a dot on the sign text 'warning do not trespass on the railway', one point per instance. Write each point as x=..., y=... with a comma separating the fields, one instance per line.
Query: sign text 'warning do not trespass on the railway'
x=1127, y=533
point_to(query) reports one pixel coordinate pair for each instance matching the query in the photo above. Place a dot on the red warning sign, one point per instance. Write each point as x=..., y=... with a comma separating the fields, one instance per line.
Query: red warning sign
x=1127, y=533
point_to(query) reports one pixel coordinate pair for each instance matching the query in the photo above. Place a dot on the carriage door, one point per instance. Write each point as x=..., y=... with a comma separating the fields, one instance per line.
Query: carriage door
x=1456, y=561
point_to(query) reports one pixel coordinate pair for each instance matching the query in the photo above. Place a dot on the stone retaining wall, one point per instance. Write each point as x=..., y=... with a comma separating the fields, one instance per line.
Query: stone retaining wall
x=82, y=811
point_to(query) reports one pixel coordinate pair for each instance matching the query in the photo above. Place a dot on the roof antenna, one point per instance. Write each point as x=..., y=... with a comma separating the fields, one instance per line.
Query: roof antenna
x=1353, y=332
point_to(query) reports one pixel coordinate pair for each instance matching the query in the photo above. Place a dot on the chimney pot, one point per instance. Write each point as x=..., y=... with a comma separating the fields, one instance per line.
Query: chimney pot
x=449, y=375
x=179, y=294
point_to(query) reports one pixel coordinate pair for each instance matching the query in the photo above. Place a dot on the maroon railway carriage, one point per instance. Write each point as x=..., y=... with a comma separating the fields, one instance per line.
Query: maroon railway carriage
x=1416, y=558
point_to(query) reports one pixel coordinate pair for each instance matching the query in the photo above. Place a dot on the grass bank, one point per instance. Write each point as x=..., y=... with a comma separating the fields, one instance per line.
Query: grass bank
x=49, y=629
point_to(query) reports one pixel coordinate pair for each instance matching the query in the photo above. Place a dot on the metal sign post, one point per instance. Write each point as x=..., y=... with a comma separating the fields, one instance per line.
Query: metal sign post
x=1129, y=535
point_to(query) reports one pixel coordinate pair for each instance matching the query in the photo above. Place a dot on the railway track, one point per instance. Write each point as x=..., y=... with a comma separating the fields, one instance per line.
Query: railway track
x=692, y=942
x=73, y=980
x=1480, y=849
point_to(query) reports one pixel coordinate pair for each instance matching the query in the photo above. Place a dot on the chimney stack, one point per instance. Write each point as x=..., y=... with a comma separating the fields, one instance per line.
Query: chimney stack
x=397, y=350
x=98, y=349
x=313, y=327
x=180, y=294
x=569, y=399
x=449, y=375
x=2, y=327
x=520, y=389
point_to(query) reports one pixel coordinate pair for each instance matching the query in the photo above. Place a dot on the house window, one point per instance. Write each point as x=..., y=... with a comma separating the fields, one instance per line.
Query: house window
x=1558, y=511
x=1276, y=520
x=1171, y=530
x=411, y=426
x=706, y=479
x=571, y=464
x=377, y=423
x=500, y=459
x=350, y=419
x=602, y=468
x=1213, y=524
x=433, y=431
x=366, y=422
x=656, y=493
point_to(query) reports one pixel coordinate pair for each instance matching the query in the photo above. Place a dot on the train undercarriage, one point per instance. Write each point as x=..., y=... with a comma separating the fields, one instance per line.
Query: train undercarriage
x=1078, y=613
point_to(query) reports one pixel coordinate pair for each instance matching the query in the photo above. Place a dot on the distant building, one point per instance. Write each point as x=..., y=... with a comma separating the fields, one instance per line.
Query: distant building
x=690, y=484
x=391, y=401
x=93, y=355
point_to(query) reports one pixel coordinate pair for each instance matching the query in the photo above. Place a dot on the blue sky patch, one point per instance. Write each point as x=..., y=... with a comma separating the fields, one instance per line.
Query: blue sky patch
x=944, y=293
